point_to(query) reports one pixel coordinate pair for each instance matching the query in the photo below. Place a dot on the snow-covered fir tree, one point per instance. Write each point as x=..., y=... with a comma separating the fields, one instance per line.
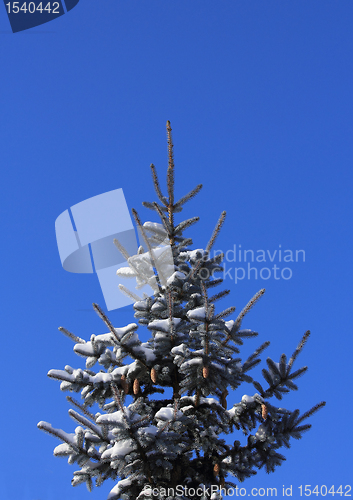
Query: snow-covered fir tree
x=151, y=445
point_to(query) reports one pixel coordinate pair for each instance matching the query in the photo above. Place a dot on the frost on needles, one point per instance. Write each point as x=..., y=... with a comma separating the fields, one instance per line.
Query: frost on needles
x=192, y=360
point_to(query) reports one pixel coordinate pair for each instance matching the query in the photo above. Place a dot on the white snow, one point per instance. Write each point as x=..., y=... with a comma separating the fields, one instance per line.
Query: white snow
x=126, y=272
x=155, y=226
x=125, y=329
x=190, y=362
x=251, y=399
x=111, y=418
x=217, y=365
x=165, y=413
x=119, y=450
x=102, y=377
x=147, y=350
x=163, y=324
x=64, y=436
x=194, y=255
x=181, y=350
x=197, y=314
x=261, y=433
x=229, y=324
x=151, y=430
x=115, y=492
x=247, y=399
x=208, y=401
x=175, y=275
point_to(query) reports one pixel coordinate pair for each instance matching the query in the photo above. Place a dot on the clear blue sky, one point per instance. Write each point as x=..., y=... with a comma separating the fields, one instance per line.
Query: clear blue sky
x=259, y=95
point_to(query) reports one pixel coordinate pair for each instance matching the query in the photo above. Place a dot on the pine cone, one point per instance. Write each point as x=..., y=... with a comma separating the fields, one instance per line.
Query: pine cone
x=264, y=411
x=124, y=384
x=153, y=375
x=216, y=469
x=224, y=399
x=136, y=386
x=205, y=371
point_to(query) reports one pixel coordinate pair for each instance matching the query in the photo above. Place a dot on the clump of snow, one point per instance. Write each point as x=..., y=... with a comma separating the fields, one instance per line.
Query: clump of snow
x=115, y=492
x=251, y=399
x=174, y=276
x=247, y=399
x=191, y=362
x=165, y=413
x=163, y=324
x=181, y=350
x=120, y=449
x=197, y=314
x=146, y=349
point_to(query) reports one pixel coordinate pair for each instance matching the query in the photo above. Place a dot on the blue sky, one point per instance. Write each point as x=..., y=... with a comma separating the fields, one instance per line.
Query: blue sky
x=259, y=95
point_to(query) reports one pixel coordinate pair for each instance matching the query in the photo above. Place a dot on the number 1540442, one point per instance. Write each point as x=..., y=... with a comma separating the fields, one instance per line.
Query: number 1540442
x=31, y=7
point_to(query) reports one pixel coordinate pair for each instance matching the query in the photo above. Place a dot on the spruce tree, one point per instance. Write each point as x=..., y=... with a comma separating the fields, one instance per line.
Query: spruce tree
x=191, y=361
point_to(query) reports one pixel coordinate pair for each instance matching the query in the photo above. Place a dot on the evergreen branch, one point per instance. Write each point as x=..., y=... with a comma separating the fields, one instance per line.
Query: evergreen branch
x=244, y=312
x=195, y=269
x=310, y=412
x=297, y=351
x=81, y=407
x=126, y=255
x=205, y=299
x=256, y=353
x=249, y=305
x=58, y=433
x=298, y=373
x=151, y=206
x=73, y=337
x=157, y=186
x=84, y=421
x=225, y=313
x=219, y=295
x=129, y=293
x=112, y=329
x=176, y=385
x=283, y=365
x=150, y=250
x=301, y=428
x=184, y=225
x=216, y=231
x=188, y=197
x=106, y=320
x=170, y=314
x=170, y=172
x=121, y=249
x=259, y=388
x=164, y=219
x=117, y=399
x=213, y=283
x=66, y=377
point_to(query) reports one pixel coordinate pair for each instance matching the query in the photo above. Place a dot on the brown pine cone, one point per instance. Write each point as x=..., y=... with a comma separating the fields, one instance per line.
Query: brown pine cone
x=224, y=399
x=136, y=386
x=124, y=384
x=153, y=375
